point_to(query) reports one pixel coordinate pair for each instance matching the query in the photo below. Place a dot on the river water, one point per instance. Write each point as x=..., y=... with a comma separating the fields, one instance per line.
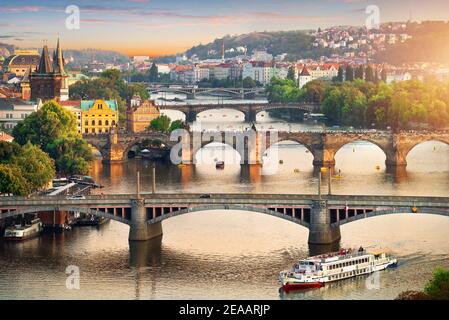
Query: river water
x=235, y=254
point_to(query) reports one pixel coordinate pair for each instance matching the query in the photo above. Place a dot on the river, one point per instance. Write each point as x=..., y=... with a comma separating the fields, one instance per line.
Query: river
x=235, y=254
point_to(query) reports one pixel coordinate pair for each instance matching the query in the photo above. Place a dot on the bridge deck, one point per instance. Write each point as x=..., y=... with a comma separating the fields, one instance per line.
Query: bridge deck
x=231, y=198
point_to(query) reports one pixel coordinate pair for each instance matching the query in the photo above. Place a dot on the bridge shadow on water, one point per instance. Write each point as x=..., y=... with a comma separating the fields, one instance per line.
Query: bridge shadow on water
x=144, y=254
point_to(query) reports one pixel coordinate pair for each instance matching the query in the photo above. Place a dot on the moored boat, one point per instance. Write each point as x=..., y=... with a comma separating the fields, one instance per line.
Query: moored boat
x=314, y=272
x=23, y=232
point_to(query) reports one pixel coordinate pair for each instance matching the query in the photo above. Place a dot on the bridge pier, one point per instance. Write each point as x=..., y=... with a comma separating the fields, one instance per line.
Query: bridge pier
x=320, y=230
x=250, y=116
x=191, y=116
x=140, y=230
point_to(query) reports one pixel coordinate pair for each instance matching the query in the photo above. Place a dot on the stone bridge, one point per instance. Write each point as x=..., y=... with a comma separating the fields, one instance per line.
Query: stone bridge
x=250, y=110
x=191, y=92
x=253, y=144
x=144, y=213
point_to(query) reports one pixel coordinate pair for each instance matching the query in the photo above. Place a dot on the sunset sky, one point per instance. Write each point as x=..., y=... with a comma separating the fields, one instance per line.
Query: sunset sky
x=160, y=27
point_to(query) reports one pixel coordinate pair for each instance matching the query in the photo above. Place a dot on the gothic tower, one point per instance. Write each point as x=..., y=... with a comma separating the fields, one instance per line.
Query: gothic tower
x=49, y=81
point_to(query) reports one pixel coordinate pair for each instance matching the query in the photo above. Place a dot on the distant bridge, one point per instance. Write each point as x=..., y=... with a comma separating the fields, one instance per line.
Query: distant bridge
x=253, y=145
x=145, y=212
x=191, y=92
x=250, y=110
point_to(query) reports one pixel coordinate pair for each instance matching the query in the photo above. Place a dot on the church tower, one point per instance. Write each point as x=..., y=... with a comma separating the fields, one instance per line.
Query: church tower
x=49, y=81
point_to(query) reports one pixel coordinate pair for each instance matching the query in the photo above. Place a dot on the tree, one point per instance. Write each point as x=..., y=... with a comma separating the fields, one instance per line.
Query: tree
x=291, y=73
x=359, y=72
x=369, y=74
x=349, y=73
x=45, y=125
x=72, y=155
x=177, y=124
x=12, y=181
x=153, y=76
x=340, y=76
x=438, y=287
x=160, y=124
x=54, y=130
x=8, y=150
x=36, y=166
x=248, y=82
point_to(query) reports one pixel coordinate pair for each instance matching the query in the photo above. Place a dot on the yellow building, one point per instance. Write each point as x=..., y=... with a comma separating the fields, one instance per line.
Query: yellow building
x=99, y=116
x=140, y=113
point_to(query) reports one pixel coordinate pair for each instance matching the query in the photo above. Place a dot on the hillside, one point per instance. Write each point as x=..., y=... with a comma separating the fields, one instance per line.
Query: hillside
x=88, y=55
x=428, y=44
x=297, y=44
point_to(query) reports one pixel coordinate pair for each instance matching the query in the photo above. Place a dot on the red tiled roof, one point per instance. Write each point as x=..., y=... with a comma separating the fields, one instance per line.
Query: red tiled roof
x=5, y=137
x=70, y=103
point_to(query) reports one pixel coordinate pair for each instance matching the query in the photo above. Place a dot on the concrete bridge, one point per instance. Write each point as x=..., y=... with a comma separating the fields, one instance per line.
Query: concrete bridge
x=250, y=110
x=144, y=213
x=253, y=145
x=191, y=92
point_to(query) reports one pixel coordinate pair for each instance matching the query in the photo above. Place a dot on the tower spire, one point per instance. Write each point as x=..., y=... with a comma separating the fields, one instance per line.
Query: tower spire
x=58, y=60
x=44, y=63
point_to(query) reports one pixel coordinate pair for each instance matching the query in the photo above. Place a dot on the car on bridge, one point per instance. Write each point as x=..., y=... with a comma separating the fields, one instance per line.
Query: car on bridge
x=77, y=197
x=205, y=196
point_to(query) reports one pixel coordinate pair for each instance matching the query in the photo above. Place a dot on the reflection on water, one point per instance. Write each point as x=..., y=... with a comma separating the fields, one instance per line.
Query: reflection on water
x=235, y=254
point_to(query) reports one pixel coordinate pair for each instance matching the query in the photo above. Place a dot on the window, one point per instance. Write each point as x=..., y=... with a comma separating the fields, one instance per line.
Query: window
x=93, y=130
x=100, y=131
x=86, y=123
x=86, y=131
x=93, y=122
x=113, y=122
x=106, y=122
x=100, y=123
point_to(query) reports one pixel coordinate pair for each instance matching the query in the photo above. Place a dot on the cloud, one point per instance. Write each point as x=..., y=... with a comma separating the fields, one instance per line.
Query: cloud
x=21, y=9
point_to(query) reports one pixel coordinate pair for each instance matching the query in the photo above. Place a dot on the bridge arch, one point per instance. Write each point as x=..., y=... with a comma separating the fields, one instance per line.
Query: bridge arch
x=297, y=142
x=225, y=147
x=332, y=153
x=200, y=208
x=377, y=213
x=201, y=113
x=139, y=141
x=409, y=148
x=85, y=210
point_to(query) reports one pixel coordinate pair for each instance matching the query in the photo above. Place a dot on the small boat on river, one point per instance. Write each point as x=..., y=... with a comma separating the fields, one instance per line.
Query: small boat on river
x=25, y=231
x=314, y=272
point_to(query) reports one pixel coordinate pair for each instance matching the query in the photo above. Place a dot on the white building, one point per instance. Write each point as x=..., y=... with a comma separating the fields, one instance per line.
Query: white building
x=258, y=71
x=261, y=56
x=304, y=77
x=12, y=111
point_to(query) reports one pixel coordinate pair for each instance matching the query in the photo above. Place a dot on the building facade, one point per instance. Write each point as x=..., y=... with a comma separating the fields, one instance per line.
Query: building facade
x=12, y=111
x=21, y=61
x=140, y=113
x=98, y=116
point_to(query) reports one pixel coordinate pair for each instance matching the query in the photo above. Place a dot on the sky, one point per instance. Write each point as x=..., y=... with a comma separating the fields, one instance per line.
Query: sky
x=163, y=27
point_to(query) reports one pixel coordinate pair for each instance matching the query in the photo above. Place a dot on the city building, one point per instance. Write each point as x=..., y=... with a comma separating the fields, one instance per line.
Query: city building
x=74, y=106
x=49, y=81
x=98, y=116
x=12, y=111
x=304, y=77
x=140, y=113
x=21, y=61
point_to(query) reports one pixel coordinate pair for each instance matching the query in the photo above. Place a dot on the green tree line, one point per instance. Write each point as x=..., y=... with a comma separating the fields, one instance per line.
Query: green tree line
x=401, y=105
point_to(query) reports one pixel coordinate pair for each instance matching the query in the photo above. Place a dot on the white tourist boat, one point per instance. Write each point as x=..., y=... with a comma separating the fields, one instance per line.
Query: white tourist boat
x=23, y=232
x=315, y=271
